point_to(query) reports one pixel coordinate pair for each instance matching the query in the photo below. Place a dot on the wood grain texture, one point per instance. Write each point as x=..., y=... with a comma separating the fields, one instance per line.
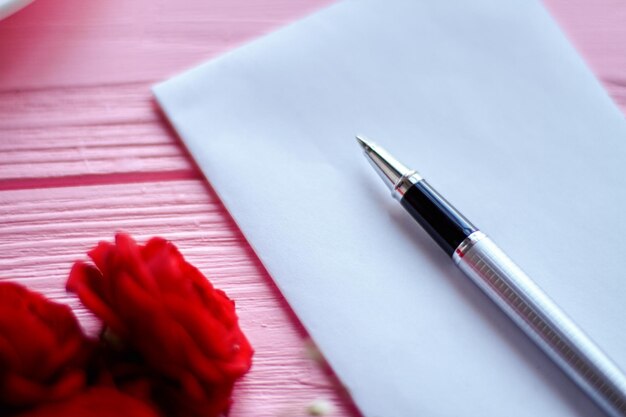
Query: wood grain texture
x=84, y=152
x=55, y=132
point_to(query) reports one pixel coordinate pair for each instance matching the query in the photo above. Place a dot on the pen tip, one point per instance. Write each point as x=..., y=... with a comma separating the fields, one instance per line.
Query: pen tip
x=365, y=144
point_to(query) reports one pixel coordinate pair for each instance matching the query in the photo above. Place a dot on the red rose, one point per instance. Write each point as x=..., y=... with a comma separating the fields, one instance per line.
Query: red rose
x=96, y=402
x=42, y=349
x=161, y=307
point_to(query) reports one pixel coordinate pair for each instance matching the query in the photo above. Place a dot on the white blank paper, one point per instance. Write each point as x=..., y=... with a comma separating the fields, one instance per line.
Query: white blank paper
x=493, y=106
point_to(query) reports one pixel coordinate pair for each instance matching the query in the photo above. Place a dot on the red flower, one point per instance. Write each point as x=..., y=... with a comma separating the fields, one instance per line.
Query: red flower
x=42, y=349
x=96, y=402
x=166, y=311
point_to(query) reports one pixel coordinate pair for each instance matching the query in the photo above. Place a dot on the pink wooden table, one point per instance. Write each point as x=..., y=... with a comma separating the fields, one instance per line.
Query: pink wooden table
x=84, y=152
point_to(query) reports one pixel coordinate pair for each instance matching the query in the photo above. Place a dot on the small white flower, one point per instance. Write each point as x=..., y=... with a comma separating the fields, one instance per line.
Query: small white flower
x=320, y=408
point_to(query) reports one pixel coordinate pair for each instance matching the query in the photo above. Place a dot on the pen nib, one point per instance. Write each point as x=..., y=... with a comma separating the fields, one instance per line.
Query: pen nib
x=365, y=144
x=389, y=168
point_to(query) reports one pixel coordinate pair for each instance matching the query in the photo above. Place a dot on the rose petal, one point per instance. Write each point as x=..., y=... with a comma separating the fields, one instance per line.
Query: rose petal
x=84, y=280
x=43, y=352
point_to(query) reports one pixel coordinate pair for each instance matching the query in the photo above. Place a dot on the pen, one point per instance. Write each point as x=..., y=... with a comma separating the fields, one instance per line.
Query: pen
x=504, y=283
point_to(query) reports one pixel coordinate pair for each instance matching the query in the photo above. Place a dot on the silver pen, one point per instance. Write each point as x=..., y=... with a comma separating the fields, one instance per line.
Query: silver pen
x=505, y=283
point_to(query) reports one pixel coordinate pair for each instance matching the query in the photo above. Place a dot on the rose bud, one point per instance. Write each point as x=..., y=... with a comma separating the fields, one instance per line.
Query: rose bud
x=42, y=349
x=172, y=320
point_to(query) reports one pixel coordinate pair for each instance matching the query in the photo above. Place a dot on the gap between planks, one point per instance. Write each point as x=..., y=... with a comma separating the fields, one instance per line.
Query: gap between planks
x=97, y=179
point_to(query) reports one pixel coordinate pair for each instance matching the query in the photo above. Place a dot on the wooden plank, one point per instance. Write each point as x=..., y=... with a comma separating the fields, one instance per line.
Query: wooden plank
x=45, y=230
x=85, y=131
x=77, y=42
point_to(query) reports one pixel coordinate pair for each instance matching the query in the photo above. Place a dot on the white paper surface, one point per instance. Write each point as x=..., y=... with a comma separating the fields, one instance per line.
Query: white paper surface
x=493, y=106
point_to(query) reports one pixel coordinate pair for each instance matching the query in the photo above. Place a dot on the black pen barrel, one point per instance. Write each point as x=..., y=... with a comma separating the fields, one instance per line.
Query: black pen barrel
x=445, y=224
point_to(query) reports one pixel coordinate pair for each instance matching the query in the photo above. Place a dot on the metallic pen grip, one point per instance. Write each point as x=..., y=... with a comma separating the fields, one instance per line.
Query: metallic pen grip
x=537, y=315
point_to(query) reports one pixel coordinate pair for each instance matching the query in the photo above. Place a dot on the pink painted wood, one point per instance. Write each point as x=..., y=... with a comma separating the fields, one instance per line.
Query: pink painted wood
x=84, y=152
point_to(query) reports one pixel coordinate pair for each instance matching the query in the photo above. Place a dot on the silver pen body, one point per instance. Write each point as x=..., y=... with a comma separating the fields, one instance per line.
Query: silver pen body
x=543, y=321
x=505, y=284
